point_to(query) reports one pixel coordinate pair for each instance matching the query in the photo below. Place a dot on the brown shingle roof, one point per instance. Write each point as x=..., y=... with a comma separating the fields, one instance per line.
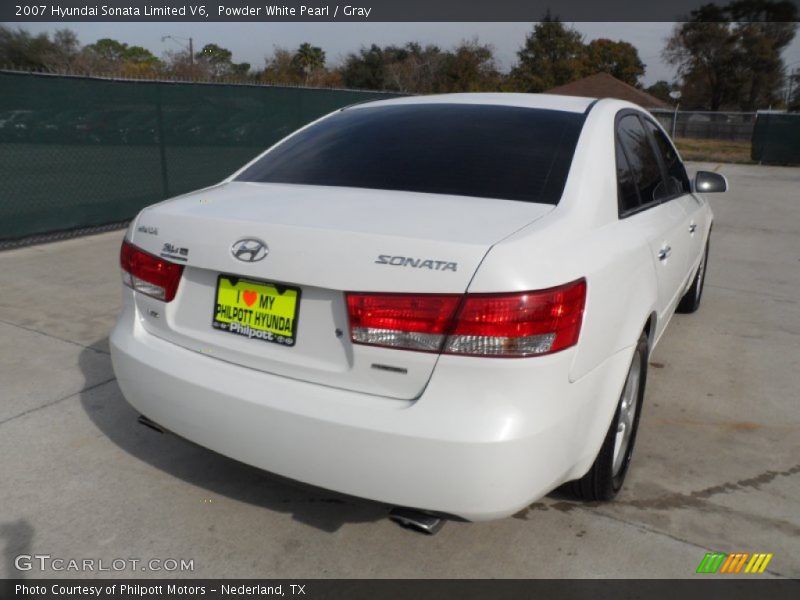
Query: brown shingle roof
x=603, y=85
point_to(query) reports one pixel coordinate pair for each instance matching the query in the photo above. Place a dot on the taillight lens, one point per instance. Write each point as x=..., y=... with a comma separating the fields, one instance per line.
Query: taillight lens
x=401, y=321
x=521, y=324
x=149, y=274
x=503, y=325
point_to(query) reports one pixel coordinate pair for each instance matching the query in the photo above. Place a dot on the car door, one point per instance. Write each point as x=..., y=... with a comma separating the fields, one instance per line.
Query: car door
x=653, y=208
x=696, y=206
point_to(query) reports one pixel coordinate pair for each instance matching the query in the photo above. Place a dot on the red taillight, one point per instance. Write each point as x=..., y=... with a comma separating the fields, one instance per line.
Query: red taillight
x=149, y=274
x=515, y=324
x=521, y=324
x=401, y=321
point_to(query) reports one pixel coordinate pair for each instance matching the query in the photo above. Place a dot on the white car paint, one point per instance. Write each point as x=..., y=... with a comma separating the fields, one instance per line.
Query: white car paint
x=476, y=437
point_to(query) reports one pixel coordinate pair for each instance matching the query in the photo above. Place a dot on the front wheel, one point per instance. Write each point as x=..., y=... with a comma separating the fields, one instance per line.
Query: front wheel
x=691, y=299
x=607, y=474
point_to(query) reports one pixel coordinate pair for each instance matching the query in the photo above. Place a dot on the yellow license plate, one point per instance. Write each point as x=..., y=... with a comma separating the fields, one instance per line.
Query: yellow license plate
x=257, y=309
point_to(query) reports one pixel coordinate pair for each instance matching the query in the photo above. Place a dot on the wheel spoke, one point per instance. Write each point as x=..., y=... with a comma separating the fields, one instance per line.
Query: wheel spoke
x=627, y=414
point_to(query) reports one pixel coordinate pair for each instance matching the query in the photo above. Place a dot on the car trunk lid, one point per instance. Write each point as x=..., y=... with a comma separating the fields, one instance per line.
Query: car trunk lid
x=322, y=242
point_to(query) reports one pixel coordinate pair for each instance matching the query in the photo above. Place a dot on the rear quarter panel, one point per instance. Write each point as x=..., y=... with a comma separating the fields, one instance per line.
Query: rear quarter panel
x=583, y=237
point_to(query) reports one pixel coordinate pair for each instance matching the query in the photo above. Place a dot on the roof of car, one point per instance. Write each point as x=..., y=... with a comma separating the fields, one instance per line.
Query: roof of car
x=545, y=101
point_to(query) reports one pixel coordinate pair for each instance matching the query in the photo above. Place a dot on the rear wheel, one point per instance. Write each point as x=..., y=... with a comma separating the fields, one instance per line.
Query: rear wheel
x=691, y=299
x=607, y=474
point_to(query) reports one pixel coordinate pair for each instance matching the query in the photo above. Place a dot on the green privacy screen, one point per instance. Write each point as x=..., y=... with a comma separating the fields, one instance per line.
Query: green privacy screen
x=776, y=138
x=79, y=152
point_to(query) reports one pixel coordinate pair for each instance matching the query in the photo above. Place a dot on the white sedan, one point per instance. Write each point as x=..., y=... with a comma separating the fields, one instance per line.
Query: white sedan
x=445, y=303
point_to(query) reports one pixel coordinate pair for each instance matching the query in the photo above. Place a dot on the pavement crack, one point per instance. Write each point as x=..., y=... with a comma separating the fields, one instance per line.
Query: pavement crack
x=54, y=402
x=54, y=337
x=696, y=498
x=753, y=293
x=595, y=508
x=645, y=528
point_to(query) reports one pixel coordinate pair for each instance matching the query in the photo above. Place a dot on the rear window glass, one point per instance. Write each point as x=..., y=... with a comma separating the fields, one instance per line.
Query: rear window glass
x=469, y=150
x=627, y=192
x=641, y=159
x=678, y=181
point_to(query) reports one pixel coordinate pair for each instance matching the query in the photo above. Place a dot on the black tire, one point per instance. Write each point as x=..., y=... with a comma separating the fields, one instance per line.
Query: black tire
x=691, y=299
x=606, y=476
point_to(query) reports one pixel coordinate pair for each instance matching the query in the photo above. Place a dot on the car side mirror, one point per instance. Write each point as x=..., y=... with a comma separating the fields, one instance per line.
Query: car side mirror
x=707, y=182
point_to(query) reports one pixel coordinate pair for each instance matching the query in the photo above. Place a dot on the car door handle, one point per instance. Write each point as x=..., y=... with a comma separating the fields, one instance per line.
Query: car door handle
x=664, y=253
x=692, y=228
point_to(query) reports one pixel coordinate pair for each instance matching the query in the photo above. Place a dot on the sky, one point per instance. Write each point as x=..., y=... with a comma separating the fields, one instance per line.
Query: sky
x=251, y=42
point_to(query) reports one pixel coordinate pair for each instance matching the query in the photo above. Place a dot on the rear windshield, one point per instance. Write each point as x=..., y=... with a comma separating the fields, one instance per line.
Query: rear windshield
x=470, y=150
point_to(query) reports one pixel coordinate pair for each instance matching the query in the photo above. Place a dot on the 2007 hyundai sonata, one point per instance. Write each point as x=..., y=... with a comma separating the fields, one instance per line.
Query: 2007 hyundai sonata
x=445, y=303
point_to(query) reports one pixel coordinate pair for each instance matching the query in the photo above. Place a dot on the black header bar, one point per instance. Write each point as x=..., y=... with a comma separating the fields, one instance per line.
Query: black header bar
x=67, y=11
x=701, y=587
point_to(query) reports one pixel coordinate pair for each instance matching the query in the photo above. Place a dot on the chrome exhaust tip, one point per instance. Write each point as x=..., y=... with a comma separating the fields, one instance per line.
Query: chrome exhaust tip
x=416, y=520
x=151, y=424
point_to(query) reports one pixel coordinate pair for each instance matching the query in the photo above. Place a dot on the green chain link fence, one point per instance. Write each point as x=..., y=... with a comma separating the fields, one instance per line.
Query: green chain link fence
x=79, y=152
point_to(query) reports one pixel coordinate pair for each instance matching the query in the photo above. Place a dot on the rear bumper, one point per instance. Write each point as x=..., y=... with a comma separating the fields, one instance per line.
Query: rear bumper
x=485, y=439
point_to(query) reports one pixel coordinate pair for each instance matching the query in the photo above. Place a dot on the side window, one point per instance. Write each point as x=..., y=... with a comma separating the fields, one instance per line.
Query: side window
x=642, y=160
x=626, y=186
x=677, y=180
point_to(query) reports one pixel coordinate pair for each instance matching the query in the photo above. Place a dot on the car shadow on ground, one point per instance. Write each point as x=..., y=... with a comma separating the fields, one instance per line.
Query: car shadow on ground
x=205, y=469
x=16, y=537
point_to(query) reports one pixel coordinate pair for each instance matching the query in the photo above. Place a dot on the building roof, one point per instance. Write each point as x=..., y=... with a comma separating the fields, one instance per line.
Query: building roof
x=603, y=85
